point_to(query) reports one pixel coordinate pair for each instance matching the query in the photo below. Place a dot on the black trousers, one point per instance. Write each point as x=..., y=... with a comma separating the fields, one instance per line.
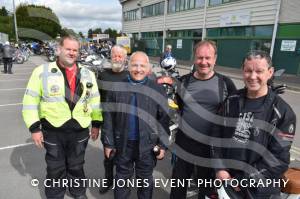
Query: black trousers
x=65, y=158
x=183, y=170
x=7, y=62
x=109, y=170
x=141, y=164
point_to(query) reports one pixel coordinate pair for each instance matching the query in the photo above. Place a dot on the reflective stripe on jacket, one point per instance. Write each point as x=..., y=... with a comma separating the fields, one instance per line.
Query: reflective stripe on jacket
x=45, y=98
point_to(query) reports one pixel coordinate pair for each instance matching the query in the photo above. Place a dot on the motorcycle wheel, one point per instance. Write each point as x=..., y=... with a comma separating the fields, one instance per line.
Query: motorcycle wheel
x=19, y=60
x=51, y=58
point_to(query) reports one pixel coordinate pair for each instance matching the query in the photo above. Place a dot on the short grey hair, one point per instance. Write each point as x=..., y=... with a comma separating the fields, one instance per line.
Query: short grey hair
x=124, y=51
x=258, y=54
x=70, y=37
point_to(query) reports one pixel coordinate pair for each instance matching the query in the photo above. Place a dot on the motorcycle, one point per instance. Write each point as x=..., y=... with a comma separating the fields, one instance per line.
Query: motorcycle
x=50, y=53
x=94, y=63
x=167, y=77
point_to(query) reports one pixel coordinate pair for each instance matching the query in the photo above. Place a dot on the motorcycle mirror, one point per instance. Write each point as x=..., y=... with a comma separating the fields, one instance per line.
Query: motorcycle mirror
x=279, y=72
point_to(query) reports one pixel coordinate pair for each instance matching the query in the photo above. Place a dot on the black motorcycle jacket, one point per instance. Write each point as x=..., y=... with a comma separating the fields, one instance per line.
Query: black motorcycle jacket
x=254, y=144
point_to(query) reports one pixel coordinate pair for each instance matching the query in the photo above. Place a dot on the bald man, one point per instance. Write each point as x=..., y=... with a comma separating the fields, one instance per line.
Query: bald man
x=134, y=122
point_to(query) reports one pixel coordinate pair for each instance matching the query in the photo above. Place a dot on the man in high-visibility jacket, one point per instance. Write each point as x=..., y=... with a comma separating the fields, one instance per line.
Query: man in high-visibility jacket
x=60, y=103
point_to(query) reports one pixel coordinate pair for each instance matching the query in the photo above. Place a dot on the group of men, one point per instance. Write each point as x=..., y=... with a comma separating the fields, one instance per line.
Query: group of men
x=62, y=100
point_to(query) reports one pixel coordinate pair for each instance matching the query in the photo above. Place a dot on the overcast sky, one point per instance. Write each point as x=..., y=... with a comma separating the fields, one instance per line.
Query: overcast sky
x=80, y=15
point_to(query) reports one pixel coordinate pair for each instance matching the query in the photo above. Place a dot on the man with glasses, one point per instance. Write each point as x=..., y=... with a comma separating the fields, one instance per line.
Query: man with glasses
x=135, y=120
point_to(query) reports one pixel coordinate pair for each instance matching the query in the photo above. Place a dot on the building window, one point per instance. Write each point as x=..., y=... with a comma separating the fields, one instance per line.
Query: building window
x=217, y=2
x=152, y=34
x=181, y=5
x=171, y=6
x=192, y=4
x=262, y=44
x=263, y=31
x=199, y=3
x=130, y=15
x=241, y=31
x=153, y=10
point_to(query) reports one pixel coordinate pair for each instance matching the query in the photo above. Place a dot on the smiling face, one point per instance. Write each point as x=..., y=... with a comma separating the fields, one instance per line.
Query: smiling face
x=68, y=52
x=204, y=61
x=256, y=73
x=118, y=58
x=139, y=66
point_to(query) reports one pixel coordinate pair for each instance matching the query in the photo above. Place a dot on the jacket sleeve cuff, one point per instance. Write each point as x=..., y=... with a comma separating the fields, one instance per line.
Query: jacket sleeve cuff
x=35, y=127
x=97, y=124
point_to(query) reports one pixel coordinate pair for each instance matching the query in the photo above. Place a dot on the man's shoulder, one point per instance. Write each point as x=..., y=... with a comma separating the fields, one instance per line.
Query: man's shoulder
x=283, y=106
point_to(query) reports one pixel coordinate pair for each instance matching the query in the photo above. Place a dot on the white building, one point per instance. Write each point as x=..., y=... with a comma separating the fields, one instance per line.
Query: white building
x=236, y=25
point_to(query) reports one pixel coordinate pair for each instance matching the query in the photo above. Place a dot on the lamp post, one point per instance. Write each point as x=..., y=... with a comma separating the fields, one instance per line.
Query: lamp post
x=139, y=4
x=164, y=26
x=15, y=21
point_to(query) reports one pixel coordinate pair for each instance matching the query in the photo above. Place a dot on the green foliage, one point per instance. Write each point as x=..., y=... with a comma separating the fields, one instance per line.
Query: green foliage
x=112, y=33
x=7, y=26
x=81, y=34
x=3, y=11
x=41, y=19
x=90, y=33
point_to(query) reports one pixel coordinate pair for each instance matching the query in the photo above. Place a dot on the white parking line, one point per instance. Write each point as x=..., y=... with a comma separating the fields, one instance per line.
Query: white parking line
x=11, y=89
x=3, y=105
x=11, y=80
x=15, y=146
x=16, y=73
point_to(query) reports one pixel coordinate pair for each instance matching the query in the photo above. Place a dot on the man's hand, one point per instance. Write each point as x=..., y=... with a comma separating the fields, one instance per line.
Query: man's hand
x=94, y=133
x=107, y=152
x=161, y=154
x=38, y=139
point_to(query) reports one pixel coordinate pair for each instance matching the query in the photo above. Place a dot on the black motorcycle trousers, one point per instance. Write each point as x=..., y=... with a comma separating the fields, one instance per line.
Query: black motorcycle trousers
x=184, y=170
x=65, y=158
x=109, y=170
x=130, y=162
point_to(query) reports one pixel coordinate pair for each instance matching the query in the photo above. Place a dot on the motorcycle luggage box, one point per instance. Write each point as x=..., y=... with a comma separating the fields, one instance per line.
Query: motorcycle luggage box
x=293, y=185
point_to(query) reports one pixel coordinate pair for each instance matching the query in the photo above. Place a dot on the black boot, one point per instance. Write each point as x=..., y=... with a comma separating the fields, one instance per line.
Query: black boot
x=109, y=173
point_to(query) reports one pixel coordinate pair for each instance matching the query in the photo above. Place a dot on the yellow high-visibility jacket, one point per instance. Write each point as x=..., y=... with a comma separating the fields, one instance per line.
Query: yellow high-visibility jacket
x=45, y=98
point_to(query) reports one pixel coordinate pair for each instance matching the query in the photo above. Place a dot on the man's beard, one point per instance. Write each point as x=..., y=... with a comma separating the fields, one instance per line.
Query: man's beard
x=117, y=66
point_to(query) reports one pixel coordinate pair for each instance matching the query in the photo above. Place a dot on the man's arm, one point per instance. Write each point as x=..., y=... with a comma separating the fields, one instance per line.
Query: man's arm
x=279, y=146
x=30, y=110
x=107, y=135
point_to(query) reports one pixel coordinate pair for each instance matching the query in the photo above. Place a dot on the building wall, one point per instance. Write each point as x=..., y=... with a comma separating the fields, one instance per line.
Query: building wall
x=231, y=48
x=262, y=13
x=290, y=11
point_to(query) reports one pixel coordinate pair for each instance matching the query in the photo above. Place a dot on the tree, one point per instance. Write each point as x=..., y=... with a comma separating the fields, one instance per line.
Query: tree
x=81, y=34
x=97, y=31
x=112, y=33
x=90, y=33
x=37, y=22
x=3, y=11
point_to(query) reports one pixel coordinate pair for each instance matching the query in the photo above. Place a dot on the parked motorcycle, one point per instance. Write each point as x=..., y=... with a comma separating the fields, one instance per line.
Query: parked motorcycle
x=50, y=53
x=93, y=63
x=167, y=77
